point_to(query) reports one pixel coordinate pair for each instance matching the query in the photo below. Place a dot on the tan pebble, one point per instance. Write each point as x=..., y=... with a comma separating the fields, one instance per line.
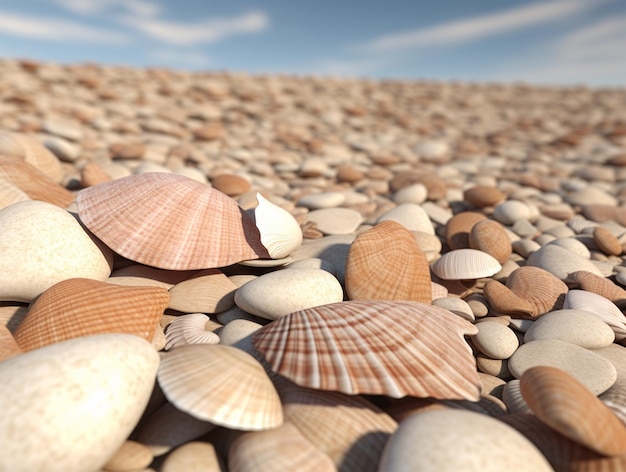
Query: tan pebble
x=92, y=174
x=195, y=456
x=127, y=150
x=478, y=304
x=483, y=196
x=131, y=455
x=458, y=228
x=496, y=367
x=511, y=211
x=607, y=241
x=208, y=291
x=491, y=385
x=348, y=173
x=231, y=184
x=490, y=236
x=210, y=132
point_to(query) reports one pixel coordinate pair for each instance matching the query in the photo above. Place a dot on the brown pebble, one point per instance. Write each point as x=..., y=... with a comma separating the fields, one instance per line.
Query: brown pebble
x=131, y=455
x=483, y=196
x=231, y=184
x=210, y=132
x=127, y=150
x=348, y=173
x=606, y=241
x=92, y=174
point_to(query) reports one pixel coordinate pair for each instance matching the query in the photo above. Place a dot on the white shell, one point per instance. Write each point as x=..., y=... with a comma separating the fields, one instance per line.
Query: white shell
x=189, y=329
x=465, y=264
x=599, y=306
x=280, y=232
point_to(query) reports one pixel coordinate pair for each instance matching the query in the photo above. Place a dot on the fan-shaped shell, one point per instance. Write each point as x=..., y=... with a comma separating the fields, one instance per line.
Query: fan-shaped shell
x=601, y=307
x=385, y=263
x=33, y=182
x=564, y=404
x=503, y=300
x=458, y=228
x=220, y=384
x=490, y=236
x=597, y=284
x=280, y=232
x=463, y=264
x=169, y=221
x=80, y=307
x=207, y=291
x=33, y=152
x=189, y=329
x=375, y=347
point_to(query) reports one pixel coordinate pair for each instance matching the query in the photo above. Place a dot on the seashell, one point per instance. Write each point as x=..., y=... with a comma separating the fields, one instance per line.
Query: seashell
x=207, y=291
x=189, y=329
x=513, y=399
x=560, y=262
x=600, y=285
x=43, y=244
x=146, y=275
x=10, y=194
x=490, y=236
x=607, y=241
x=374, y=347
x=463, y=264
x=458, y=228
x=503, y=300
x=562, y=453
x=55, y=395
x=220, y=384
x=347, y=428
x=422, y=442
x=32, y=152
x=567, y=406
x=33, y=182
x=573, y=245
x=280, y=232
x=439, y=291
x=579, y=224
x=385, y=263
x=282, y=448
x=8, y=345
x=604, y=309
x=483, y=196
x=80, y=307
x=194, y=456
x=184, y=224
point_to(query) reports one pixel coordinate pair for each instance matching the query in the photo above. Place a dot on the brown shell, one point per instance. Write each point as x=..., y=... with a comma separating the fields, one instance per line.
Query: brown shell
x=458, y=228
x=483, y=196
x=8, y=345
x=80, y=307
x=208, y=291
x=374, y=347
x=33, y=152
x=591, y=282
x=169, y=221
x=385, y=263
x=33, y=182
x=567, y=406
x=503, y=300
x=606, y=241
x=490, y=236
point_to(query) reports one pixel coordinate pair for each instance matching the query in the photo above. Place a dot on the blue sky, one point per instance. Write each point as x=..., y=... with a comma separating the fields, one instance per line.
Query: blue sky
x=545, y=41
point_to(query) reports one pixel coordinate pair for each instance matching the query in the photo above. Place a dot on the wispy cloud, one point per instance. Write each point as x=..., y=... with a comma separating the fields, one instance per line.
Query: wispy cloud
x=478, y=27
x=90, y=7
x=207, y=31
x=56, y=29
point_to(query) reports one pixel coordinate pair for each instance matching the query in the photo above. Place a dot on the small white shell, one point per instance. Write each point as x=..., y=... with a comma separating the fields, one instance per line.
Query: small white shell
x=599, y=306
x=280, y=232
x=189, y=329
x=465, y=264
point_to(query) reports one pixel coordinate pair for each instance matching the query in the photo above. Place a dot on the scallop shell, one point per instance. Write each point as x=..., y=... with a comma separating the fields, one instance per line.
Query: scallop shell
x=207, y=291
x=374, y=347
x=490, y=236
x=462, y=264
x=189, y=329
x=282, y=448
x=597, y=284
x=280, y=232
x=33, y=182
x=503, y=300
x=604, y=309
x=567, y=406
x=170, y=222
x=220, y=384
x=458, y=228
x=80, y=307
x=348, y=428
x=33, y=152
x=579, y=224
x=8, y=345
x=385, y=263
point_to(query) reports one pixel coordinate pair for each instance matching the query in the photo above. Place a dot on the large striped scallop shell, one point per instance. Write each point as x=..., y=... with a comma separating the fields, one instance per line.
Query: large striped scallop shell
x=601, y=307
x=220, y=384
x=374, y=347
x=170, y=222
x=189, y=329
x=462, y=264
x=385, y=263
x=80, y=307
x=32, y=151
x=567, y=406
x=280, y=232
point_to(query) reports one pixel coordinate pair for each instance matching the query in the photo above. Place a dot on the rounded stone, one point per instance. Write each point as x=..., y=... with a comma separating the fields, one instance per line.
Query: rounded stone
x=56, y=395
x=411, y=216
x=42, y=244
x=449, y=440
x=282, y=292
x=415, y=193
x=495, y=340
x=573, y=326
x=511, y=211
x=238, y=333
x=336, y=220
x=315, y=201
x=560, y=262
x=593, y=371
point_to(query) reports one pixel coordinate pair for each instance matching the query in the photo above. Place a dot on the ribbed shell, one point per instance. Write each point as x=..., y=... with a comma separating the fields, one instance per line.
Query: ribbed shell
x=543, y=291
x=374, y=347
x=207, y=291
x=490, y=236
x=564, y=404
x=462, y=264
x=8, y=345
x=458, y=228
x=385, y=263
x=503, y=300
x=33, y=182
x=170, y=222
x=189, y=329
x=280, y=232
x=601, y=307
x=220, y=384
x=80, y=307
x=33, y=152
x=597, y=284
x=282, y=448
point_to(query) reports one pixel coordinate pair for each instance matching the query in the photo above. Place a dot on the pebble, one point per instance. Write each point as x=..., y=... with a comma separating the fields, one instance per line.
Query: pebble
x=560, y=262
x=495, y=340
x=411, y=216
x=511, y=211
x=336, y=220
x=316, y=201
x=573, y=326
x=415, y=193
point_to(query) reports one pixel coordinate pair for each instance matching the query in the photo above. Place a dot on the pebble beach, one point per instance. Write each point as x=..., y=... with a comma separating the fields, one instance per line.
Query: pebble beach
x=216, y=271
